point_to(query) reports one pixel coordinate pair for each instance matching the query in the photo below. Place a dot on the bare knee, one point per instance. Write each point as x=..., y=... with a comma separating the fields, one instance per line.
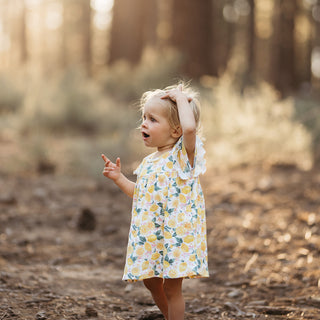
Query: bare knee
x=172, y=288
x=153, y=284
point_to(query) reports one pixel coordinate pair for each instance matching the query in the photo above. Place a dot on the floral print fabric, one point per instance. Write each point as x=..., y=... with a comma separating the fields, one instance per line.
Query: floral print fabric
x=167, y=237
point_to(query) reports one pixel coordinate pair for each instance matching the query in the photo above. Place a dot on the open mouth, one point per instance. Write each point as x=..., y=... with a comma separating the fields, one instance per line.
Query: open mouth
x=145, y=135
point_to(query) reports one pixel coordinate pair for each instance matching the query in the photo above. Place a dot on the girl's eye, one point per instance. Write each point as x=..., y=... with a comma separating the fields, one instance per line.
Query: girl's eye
x=153, y=119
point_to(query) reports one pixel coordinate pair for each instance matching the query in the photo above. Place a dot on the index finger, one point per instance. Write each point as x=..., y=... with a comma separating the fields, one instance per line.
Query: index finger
x=104, y=158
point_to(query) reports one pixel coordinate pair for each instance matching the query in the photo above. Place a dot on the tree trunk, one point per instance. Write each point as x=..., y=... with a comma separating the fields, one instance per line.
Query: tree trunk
x=86, y=33
x=316, y=86
x=192, y=35
x=251, y=42
x=283, y=53
x=126, y=31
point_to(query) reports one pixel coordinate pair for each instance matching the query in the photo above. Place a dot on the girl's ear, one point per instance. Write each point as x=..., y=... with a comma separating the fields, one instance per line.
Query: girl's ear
x=176, y=132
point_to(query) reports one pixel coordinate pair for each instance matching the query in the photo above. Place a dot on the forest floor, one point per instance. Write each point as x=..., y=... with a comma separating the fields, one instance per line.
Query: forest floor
x=63, y=243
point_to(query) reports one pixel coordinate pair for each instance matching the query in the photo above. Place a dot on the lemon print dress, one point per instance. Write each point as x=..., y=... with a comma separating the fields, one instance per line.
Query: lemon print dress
x=167, y=237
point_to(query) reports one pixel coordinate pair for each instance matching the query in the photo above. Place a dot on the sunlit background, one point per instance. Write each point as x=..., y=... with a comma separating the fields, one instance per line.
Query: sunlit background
x=72, y=72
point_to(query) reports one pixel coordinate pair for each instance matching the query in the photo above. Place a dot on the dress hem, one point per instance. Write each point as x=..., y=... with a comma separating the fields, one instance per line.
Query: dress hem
x=184, y=277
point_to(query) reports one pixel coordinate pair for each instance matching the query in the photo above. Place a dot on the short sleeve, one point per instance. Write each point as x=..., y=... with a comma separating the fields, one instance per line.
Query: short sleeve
x=139, y=169
x=181, y=162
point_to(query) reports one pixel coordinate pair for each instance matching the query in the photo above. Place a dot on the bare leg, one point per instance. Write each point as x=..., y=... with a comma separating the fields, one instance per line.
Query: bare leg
x=155, y=286
x=173, y=292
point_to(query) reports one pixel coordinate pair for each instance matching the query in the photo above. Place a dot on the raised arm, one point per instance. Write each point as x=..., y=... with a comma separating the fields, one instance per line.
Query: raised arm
x=113, y=171
x=187, y=120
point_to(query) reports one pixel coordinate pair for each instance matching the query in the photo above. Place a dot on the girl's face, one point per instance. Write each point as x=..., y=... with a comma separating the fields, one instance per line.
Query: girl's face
x=155, y=129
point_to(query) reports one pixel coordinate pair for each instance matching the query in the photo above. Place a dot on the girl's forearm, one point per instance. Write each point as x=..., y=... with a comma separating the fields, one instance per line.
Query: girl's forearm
x=187, y=121
x=125, y=185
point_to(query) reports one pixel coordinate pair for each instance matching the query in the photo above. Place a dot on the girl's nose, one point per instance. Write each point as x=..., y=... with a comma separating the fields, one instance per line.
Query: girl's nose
x=144, y=123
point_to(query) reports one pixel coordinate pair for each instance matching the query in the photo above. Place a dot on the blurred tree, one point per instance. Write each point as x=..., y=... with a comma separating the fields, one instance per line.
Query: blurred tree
x=192, y=35
x=283, y=46
x=63, y=47
x=133, y=27
x=316, y=47
x=86, y=33
x=23, y=34
x=221, y=39
x=251, y=43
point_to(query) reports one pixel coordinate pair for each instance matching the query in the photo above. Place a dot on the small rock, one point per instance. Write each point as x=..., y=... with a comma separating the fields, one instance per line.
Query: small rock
x=152, y=313
x=86, y=220
x=91, y=311
x=236, y=293
x=41, y=315
x=46, y=167
x=8, y=199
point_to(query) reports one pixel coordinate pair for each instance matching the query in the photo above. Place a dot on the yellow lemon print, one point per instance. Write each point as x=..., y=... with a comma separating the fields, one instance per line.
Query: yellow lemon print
x=152, y=238
x=161, y=179
x=155, y=256
x=135, y=271
x=188, y=225
x=175, y=203
x=147, y=246
x=130, y=249
x=145, y=216
x=151, y=189
x=171, y=223
x=184, y=247
x=154, y=207
x=160, y=246
x=140, y=251
x=148, y=197
x=166, y=264
x=182, y=198
x=130, y=262
x=173, y=273
x=180, y=231
x=186, y=189
x=170, y=165
x=167, y=235
x=192, y=258
x=150, y=225
x=181, y=217
x=183, y=266
x=143, y=229
x=145, y=265
x=188, y=239
x=177, y=253
x=134, y=233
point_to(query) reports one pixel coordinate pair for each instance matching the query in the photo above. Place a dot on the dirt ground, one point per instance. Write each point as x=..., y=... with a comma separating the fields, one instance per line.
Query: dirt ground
x=63, y=241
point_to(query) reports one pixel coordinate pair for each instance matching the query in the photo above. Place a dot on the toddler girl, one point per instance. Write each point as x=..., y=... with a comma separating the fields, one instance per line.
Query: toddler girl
x=167, y=239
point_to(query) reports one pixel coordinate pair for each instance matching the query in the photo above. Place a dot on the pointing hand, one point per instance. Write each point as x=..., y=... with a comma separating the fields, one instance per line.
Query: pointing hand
x=111, y=170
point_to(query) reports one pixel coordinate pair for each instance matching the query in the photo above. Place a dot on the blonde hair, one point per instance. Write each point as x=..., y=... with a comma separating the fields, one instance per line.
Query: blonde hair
x=173, y=114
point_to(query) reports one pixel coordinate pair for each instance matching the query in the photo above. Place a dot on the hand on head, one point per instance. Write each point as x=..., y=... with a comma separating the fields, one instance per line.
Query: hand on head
x=173, y=94
x=111, y=170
